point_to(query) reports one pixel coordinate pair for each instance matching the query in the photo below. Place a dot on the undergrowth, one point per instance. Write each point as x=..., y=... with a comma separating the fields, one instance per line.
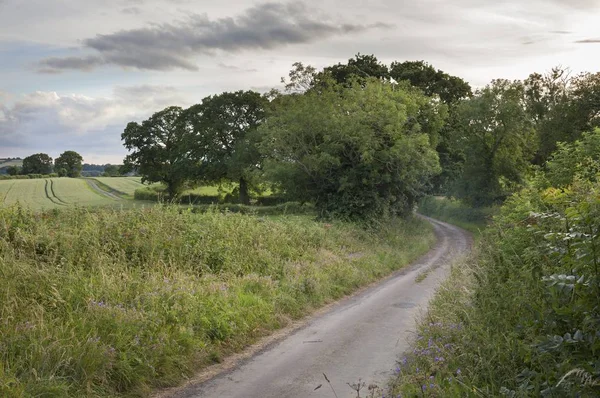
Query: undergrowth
x=521, y=316
x=457, y=213
x=116, y=303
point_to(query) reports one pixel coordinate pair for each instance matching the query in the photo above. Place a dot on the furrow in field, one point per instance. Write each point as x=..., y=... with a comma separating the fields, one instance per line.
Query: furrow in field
x=5, y=199
x=54, y=193
x=50, y=194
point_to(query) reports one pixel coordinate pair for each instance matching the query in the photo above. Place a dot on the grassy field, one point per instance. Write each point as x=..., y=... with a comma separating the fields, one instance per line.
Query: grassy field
x=111, y=302
x=125, y=185
x=8, y=163
x=128, y=185
x=51, y=193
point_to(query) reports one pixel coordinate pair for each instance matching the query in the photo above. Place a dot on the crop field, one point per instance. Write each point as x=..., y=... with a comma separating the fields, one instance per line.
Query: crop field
x=126, y=185
x=7, y=163
x=49, y=193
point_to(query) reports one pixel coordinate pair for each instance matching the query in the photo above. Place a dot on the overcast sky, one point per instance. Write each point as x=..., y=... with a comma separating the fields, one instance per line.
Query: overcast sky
x=74, y=72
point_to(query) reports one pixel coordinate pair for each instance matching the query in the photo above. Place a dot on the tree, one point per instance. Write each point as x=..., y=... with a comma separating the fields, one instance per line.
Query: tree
x=223, y=142
x=451, y=90
x=585, y=103
x=39, y=163
x=580, y=158
x=13, y=170
x=547, y=99
x=356, y=150
x=69, y=163
x=431, y=81
x=360, y=67
x=499, y=142
x=159, y=150
x=112, y=170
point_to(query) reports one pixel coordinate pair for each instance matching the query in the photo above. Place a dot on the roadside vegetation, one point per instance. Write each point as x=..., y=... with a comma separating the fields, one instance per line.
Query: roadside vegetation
x=520, y=317
x=108, y=303
x=473, y=219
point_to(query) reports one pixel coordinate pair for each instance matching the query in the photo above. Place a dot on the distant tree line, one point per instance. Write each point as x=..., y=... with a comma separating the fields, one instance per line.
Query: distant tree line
x=364, y=140
x=68, y=164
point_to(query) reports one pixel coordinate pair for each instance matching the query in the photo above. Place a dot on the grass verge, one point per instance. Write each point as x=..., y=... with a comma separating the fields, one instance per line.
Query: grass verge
x=111, y=302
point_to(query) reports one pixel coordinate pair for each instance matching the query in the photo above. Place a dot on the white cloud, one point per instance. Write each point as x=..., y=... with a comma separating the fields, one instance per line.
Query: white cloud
x=51, y=123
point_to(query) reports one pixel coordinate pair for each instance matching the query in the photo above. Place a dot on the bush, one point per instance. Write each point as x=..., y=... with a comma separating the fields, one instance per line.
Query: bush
x=528, y=309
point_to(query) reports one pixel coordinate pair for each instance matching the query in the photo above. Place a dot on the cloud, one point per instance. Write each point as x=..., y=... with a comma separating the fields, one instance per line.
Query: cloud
x=170, y=46
x=132, y=10
x=51, y=123
x=56, y=64
x=588, y=41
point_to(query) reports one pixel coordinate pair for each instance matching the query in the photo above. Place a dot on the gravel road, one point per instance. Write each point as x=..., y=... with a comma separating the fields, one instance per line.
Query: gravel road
x=359, y=337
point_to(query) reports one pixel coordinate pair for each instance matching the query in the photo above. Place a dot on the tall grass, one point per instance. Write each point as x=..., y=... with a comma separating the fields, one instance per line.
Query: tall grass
x=115, y=303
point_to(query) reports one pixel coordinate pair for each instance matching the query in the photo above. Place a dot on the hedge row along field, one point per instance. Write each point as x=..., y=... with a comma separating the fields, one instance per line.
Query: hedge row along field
x=520, y=318
x=107, y=302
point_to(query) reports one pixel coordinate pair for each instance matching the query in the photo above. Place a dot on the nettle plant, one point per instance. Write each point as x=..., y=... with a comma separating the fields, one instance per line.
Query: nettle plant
x=565, y=358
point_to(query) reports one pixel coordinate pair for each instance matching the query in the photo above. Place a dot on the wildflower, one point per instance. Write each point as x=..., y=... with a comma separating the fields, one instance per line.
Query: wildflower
x=423, y=387
x=397, y=369
x=458, y=371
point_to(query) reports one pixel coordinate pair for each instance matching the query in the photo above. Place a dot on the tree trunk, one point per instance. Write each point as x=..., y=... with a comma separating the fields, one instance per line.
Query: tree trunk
x=244, y=197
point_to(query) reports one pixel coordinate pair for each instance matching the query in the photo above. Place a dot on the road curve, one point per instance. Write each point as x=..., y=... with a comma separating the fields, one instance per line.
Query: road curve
x=360, y=337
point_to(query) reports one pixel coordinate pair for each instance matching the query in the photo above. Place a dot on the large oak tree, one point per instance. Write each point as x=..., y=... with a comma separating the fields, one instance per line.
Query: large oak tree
x=224, y=141
x=160, y=149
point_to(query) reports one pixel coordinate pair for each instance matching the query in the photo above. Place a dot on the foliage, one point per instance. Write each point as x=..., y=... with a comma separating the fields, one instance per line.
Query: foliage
x=159, y=149
x=39, y=163
x=526, y=305
x=113, y=303
x=13, y=170
x=356, y=152
x=113, y=170
x=578, y=159
x=223, y=137
x=431, y=81
x=547, y=101
x=69, y=163
x=359, y=68
x=499, y=141
x=457, y=213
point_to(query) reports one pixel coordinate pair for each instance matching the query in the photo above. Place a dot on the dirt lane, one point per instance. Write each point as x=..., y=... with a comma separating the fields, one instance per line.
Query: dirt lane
x=359, y=337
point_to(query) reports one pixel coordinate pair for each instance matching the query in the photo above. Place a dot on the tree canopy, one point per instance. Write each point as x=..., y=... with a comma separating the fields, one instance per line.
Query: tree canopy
x=69, y=164
x=499, y=142
x=39, y=163
x=223, y=142
x=160, y=150
x=356, y=151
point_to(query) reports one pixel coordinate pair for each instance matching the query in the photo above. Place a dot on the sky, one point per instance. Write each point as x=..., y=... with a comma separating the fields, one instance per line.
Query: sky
x=73, y=73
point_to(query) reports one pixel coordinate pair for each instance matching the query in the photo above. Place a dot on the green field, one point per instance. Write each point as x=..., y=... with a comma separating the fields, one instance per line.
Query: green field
x=49, y=193
x=125, y=185
x=128, y=185
x=8, y=163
